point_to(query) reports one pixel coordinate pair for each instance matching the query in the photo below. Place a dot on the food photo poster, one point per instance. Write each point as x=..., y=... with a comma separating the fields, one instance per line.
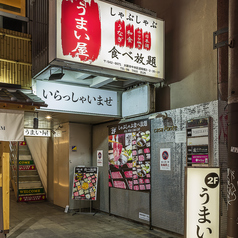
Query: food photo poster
x=129, y=155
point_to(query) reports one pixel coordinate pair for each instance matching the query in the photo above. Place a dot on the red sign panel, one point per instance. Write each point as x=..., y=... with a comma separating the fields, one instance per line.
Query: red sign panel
x=81, y=29
x=130, y=36
x=120, y=33
x=27, y=167
x=32, y=198
x=22, y=143
x=138, y=38
x=147, y=41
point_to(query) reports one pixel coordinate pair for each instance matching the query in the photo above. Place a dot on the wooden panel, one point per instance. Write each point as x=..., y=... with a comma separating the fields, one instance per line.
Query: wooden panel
x=13, y=106
x=6, y=185
x=15, y=58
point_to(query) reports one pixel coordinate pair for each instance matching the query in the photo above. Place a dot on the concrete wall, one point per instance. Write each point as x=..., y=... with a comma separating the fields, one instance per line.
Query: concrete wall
x=167, y=186
x=190, y=61
x=80, y=136
x=61, y=167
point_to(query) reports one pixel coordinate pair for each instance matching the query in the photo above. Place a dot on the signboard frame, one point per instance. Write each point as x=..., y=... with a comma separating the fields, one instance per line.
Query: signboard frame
x=127, y=73
x=218, y=209
x=129, y=155
x=86, y=185
x=198, y=136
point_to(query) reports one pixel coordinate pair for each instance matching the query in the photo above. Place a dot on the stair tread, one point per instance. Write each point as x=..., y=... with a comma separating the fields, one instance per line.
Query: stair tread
x=33, y=188
x=29, y=175
x=35, y=194
x=28, y=181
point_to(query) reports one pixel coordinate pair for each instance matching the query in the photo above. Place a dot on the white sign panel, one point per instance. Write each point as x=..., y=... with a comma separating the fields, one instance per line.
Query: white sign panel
x=198, y=141
x=37, y=132
x=180, y=136
x=200, y=132
x=70, y=98
x=165, y=159
x=136, y=101
x=105, y=35
x=144, y=216
x=11, y=125
x=202, y=202
x=100, y=158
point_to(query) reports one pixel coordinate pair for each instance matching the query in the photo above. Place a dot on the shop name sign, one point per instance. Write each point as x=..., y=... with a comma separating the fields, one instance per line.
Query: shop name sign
x=37, y=132
x=70, y=98
x=102, y=34
x=202, y=202
x=166, y=128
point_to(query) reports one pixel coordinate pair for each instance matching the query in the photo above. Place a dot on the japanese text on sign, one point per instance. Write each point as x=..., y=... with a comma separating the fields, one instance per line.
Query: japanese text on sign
x=100, y=34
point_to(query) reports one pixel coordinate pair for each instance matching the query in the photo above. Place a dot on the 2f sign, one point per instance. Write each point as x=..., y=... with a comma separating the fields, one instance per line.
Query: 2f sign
x=212, y=180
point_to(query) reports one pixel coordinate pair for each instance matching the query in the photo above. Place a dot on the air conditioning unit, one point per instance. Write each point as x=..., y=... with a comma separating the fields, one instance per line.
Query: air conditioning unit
x=138, y=101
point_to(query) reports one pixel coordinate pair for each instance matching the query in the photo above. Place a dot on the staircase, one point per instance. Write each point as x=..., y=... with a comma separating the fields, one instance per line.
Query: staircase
x=29, y=184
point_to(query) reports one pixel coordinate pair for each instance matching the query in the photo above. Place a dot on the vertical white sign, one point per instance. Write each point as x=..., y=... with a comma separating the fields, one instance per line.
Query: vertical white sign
x=100, y=158
x=202, y=202
x=165, y=159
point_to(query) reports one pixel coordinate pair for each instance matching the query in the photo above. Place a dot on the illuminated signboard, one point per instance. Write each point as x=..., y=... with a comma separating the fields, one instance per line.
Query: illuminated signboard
x=202, y=202
x=70, y=98
x=105, y=35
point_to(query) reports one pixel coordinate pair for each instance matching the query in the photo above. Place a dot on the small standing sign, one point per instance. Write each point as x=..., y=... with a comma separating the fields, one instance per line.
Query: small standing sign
x=100, y=158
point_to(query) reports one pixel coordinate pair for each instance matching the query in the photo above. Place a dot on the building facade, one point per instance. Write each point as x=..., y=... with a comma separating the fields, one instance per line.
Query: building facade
x=186, y=87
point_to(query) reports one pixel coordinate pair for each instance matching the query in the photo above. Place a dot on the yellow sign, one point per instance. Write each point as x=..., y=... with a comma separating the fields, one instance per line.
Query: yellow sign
x=74, y=148
x=17, y=7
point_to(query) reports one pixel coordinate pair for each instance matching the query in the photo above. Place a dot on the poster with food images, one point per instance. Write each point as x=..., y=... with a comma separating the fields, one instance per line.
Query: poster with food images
x=85, y=183
x=129, y=155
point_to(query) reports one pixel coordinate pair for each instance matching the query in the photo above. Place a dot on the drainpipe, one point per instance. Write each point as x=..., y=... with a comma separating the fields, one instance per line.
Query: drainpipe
x=232, y=163
x=222, y=52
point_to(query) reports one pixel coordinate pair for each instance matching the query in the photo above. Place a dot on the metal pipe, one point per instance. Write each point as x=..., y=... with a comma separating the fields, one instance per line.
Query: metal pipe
x=232, y=163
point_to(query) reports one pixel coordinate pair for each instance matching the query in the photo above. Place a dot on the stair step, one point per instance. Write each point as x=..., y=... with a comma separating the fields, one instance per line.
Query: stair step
x=31, y=191
x=27, y=172
x=29, y=178
x=22, y=143
x=29, y=184
x=26, y=162
x=32, y=198
x=25, y=157
x=27, y=167
x=24, y=152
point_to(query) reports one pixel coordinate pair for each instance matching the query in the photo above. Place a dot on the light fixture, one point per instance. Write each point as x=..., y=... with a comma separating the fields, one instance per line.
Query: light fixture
x=157, y=115
x=48, y=117
x=35, y=121
x=56, y=76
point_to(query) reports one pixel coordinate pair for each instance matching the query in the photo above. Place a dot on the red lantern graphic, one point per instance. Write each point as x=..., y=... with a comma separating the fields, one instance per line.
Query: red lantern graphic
x=147, y=40
x=80, y=29
x=138, y=38
x=130, y=36
x=120, y=33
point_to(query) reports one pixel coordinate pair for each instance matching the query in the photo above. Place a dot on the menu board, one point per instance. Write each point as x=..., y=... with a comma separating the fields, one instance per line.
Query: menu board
x=85, y=183
x=129, y=155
